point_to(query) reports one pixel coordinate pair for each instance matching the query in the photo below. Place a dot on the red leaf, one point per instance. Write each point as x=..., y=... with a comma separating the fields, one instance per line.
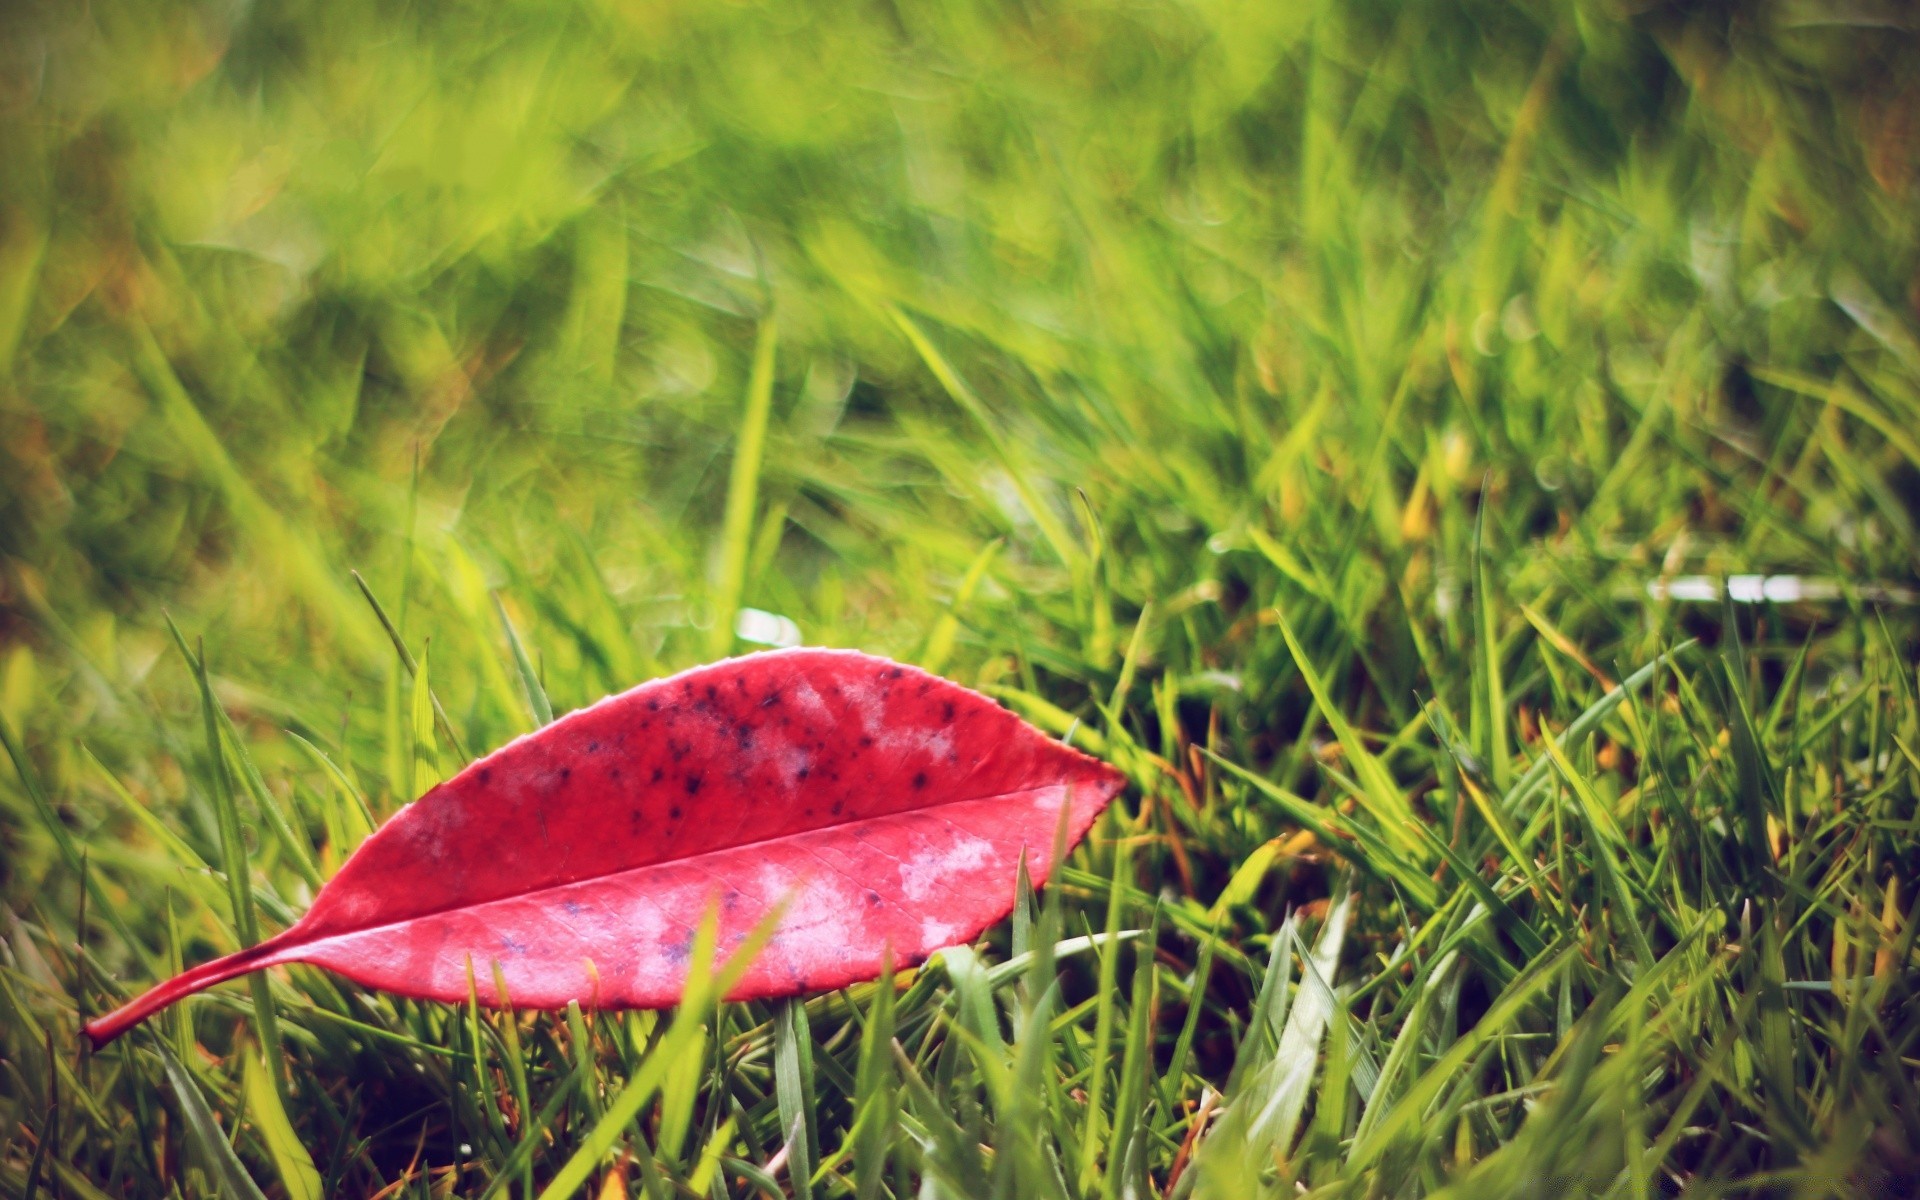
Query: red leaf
x=885, y=807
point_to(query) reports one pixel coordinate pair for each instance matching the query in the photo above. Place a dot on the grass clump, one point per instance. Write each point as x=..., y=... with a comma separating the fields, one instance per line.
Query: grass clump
x=1458, y=460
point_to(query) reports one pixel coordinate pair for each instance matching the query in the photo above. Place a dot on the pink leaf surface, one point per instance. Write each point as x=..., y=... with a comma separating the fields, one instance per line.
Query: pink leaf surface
x=880, y=809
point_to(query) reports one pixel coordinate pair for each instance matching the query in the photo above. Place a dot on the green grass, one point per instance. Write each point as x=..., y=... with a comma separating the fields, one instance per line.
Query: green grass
x=1338, y=416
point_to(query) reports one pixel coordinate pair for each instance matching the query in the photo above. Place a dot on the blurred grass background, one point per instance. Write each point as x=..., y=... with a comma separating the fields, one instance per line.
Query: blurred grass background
x=1125, y=358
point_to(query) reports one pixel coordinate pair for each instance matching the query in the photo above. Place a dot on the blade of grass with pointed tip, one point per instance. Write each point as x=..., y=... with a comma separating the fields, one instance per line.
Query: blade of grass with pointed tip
x=1511, y=921
x=1502, y=832
x=257, y=787
x=1103, y=1026
x=1276, y=1101
x=356, y=803
x=1268, y=1014
x=426, y=750
x=1133, y=1102
x=874, y=1097
x=464, y=583
x=234, y=864
x=488, y=1104
x=1172, y=1082
x=1537, y=774
x=1754, y=784
x=743, y=484
x=537, y=701
x=1093, y=591
x=1022, y=939
x=1131, y=662
x=581, y=1043
x=1378, y=792
x=1492, y=687
x=1603, y=837
x=794, y=1093
x=516, y=1062
x=299, y=851
x=1362, y=845
x=407, y=661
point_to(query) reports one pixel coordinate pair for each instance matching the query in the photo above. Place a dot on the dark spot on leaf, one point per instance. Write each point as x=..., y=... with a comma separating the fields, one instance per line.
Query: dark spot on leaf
x=659, y=773
x=674, y=812
x=802, y=773
x=771, y=700
x=693, y=785
x=946, y=712
x=678, y=952
x=873, y=898
x=839, y=806
x=572, y=907
x=919, y=780
x=865, y=740
x=486, y=775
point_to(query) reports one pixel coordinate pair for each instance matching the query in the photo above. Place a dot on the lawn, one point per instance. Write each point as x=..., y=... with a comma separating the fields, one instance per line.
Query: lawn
x=1460, y=461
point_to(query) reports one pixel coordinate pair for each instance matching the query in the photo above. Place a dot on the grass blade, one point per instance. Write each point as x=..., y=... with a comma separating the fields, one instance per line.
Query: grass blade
x=290, y=1158
x=743, y=484
x=537, y=700
x=221, y=1162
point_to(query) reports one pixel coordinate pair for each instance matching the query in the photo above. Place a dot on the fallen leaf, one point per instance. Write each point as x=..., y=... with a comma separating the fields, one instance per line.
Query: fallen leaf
x=872, y=805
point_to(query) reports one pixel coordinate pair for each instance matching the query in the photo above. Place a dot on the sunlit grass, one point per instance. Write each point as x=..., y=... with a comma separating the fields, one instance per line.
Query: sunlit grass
x=1341, y=418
